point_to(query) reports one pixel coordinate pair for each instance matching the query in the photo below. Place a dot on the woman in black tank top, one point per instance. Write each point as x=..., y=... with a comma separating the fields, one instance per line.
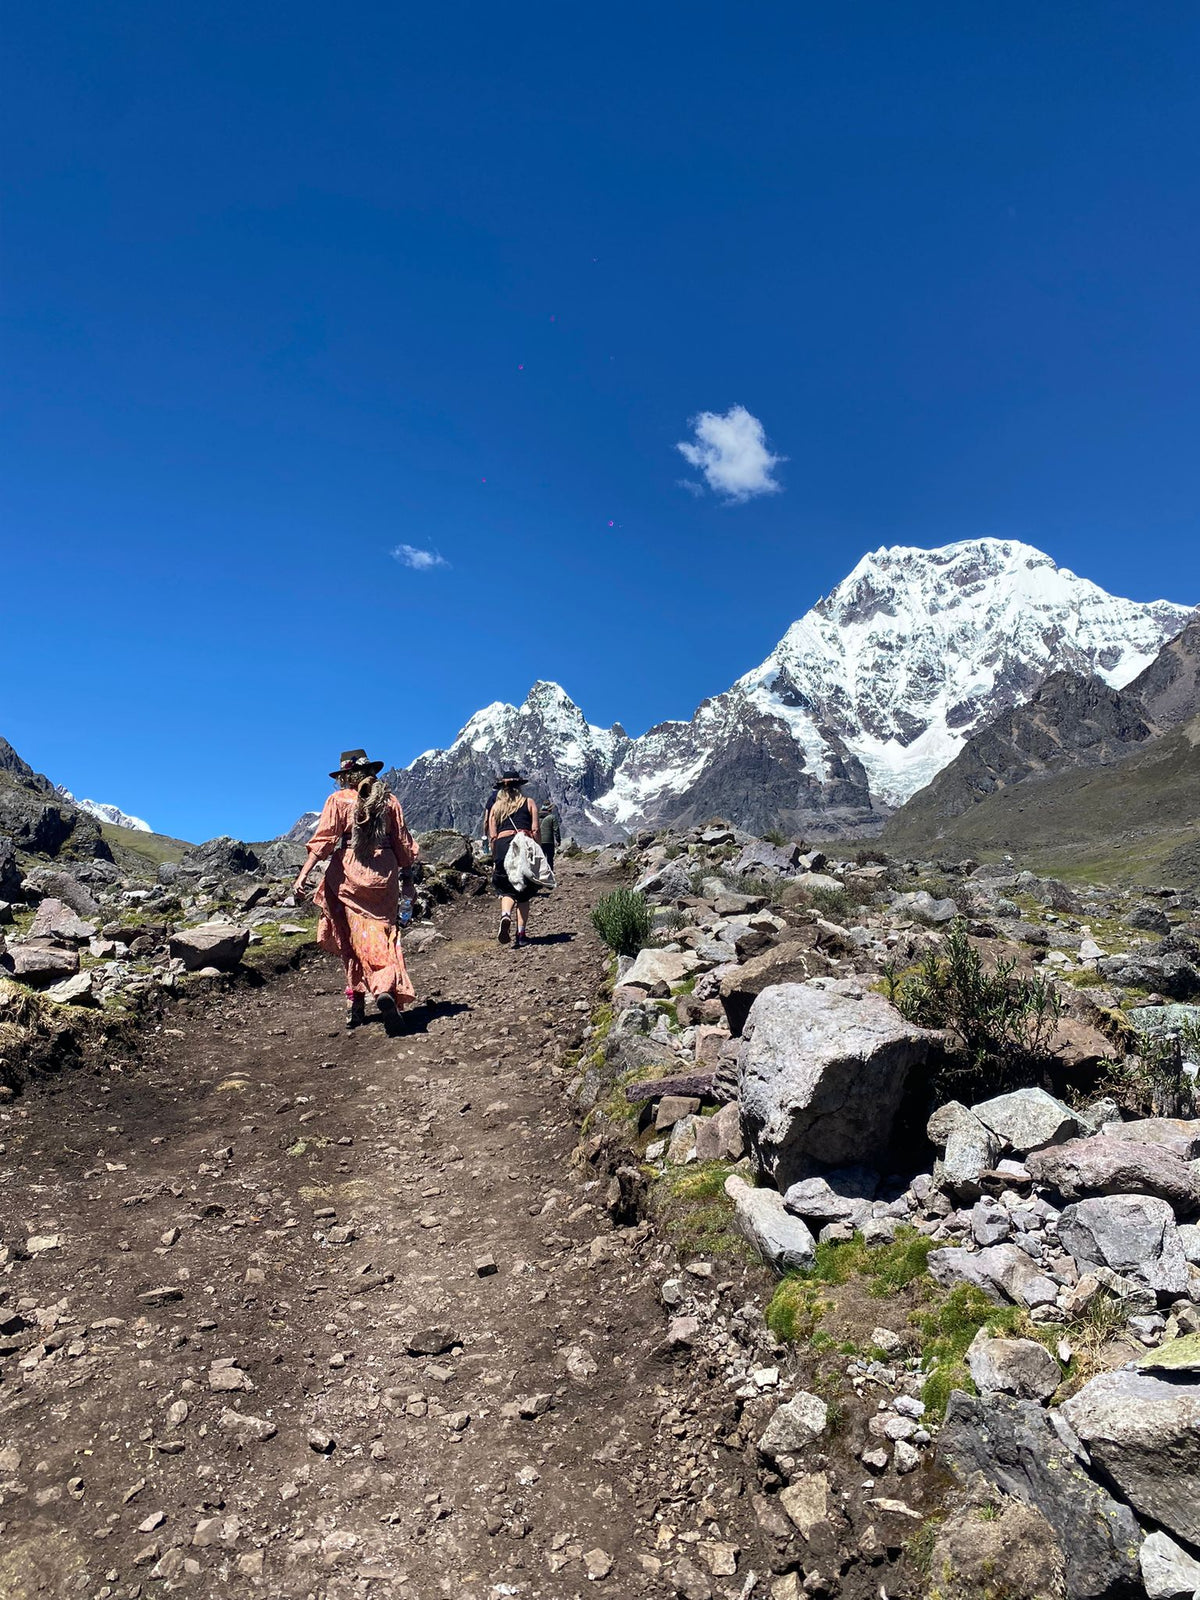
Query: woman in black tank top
x=512, y=812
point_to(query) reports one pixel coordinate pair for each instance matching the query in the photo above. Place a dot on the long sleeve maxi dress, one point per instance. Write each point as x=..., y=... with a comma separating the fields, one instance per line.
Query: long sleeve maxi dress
x=359, y=899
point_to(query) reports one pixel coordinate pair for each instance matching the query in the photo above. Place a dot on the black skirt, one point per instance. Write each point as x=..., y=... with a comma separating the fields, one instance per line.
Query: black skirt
x=500, y=878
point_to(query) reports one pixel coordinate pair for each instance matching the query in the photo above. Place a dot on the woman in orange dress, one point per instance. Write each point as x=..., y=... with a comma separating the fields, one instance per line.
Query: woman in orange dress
x=371, y=856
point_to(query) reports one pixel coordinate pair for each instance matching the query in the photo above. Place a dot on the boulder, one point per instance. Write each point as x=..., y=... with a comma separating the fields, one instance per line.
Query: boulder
x=821, y=1075
x=1016, y=1448
x=1143, y=1434
x=1003, y=1272
x=1020, y=1367
x=781, y=1239
x=806, y=883
x=445, y=847
x=1168, y=1572
x=922, y=907
x=64, y=886
x=10, y=873
x=839, y=1197
x=1149, y=918
x=41, y=963
x=212, y=944
x=1189, y=1238
x=789, y=962
x=772, y=859
x=671, y=881
x=223, y=857
x=719, y=1138
x=55, y=921
x=1028, y=1119
x=1172, y=975
x=1010, y=1551
x=653, y=967
x=1180, y=1135
x=282, y=858
x=76, y=991
x=1181, y=1354
x=1134, y=1234
x=794, y=1425
x=1103, y=1165
x=969, y=1150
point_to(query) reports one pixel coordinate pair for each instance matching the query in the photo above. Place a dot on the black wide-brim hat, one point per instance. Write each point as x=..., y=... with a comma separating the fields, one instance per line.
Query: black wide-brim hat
x=511, y=777
x=356, y=761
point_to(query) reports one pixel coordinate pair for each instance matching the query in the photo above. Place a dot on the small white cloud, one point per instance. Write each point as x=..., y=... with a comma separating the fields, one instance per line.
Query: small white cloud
x=730, y=449
x=408, y=555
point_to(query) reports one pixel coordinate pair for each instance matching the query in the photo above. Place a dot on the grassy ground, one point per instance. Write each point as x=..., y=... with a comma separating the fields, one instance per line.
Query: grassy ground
x=140, y=852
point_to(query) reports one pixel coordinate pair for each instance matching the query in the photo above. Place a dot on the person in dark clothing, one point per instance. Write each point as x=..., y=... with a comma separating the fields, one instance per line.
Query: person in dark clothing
x=511, y=812
x=549, y=832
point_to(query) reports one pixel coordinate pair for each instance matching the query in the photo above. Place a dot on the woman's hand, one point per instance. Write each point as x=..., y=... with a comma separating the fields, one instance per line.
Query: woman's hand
x=299, y=887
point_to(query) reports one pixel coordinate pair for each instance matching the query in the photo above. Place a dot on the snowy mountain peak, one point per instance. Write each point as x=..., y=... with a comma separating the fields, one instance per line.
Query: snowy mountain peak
x=106, y=813
x=916, y=648
x=870, y=694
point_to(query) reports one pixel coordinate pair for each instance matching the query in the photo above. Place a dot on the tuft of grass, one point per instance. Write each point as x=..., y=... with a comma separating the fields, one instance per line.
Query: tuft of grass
x=797, y=1305
x=697, y=1215
x=947, y=1328
x=624, y=920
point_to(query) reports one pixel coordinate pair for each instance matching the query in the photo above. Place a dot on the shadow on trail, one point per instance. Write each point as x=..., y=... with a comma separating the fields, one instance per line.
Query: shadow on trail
x=551, y=938
x=417, y=1018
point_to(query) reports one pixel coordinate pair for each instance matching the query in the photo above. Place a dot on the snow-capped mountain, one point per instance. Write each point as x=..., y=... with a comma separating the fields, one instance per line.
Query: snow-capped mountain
x=551, y=741
x=864, y=699
x=106, y=813
x=917, y=648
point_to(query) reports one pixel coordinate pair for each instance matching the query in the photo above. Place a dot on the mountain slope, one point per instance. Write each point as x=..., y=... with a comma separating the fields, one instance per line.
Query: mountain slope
x=1069, y=722
x=1169, y=688
x=103, y=812
x=1135, y=819
x=36, y=817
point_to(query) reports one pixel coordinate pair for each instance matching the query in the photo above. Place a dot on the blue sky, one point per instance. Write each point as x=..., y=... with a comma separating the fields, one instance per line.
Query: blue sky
x=286, y=288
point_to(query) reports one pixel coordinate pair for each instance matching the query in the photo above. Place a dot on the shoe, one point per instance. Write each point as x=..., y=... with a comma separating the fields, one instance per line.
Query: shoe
x=505, y=933
x=356, y=1012
x=387, y=1006
x=522, y=941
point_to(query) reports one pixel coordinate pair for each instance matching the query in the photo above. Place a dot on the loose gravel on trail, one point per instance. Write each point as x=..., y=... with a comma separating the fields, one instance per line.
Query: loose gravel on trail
x=299, y=1312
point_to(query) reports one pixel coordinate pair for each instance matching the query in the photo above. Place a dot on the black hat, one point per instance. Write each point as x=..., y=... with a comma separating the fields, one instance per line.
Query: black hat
x=356, y=761
x=512, y=776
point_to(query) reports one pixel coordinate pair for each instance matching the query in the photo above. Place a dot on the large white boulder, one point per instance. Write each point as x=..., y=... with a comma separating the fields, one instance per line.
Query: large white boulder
x=822, y=1072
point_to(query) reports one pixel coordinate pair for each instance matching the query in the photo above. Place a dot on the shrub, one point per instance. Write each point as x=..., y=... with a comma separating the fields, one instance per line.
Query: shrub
x=775, y=836
x=1002, y=1023
x=624, y=920
x=1155, y=1082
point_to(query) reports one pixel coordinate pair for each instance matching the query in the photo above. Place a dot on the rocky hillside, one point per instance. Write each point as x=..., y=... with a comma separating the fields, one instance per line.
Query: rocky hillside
x=862, y=702
x=956, y=1112
x=1095, y=770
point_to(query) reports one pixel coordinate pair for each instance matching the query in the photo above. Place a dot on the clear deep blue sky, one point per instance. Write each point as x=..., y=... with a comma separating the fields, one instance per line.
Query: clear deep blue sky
x=287, y=286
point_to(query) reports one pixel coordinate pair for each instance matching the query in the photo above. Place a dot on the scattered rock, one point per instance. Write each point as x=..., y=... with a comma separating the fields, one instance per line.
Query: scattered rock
x=780, y=1238
x=1019, y=1367
x=214, y=944
x=1028, y=1119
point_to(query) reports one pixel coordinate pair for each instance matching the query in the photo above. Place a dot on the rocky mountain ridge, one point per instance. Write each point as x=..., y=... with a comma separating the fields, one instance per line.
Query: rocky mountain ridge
x=1087, y=757
x=861, y=703
x=104, y=812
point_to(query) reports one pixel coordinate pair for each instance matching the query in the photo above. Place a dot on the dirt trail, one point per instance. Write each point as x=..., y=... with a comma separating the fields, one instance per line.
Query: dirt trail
x=316, y=1204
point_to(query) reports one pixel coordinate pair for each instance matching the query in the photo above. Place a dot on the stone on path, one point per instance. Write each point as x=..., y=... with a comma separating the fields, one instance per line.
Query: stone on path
x=213, y=944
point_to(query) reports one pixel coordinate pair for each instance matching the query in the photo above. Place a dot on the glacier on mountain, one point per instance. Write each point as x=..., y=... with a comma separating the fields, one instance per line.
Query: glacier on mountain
x=104, y=812
x=870, y=694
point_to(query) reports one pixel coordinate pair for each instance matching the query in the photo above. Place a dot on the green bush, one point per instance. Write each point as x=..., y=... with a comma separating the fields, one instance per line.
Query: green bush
x=1002, y=1023
x=624, y=920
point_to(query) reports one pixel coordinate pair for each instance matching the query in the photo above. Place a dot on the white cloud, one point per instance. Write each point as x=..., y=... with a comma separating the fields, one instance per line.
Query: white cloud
x=419, y=560
x=730, y=449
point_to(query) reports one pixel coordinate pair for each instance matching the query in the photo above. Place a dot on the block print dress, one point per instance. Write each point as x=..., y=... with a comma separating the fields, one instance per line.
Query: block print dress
x=359, y=899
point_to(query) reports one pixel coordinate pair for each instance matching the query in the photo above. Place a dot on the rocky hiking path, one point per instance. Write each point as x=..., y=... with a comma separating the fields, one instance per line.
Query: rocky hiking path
x=309, y=1313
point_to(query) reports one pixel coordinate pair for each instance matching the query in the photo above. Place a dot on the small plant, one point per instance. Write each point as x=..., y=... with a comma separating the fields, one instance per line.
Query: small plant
x=776, y=837
x=1002, y=1023
x=837, y=904
x=624, y=920
x=1155, y=1082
